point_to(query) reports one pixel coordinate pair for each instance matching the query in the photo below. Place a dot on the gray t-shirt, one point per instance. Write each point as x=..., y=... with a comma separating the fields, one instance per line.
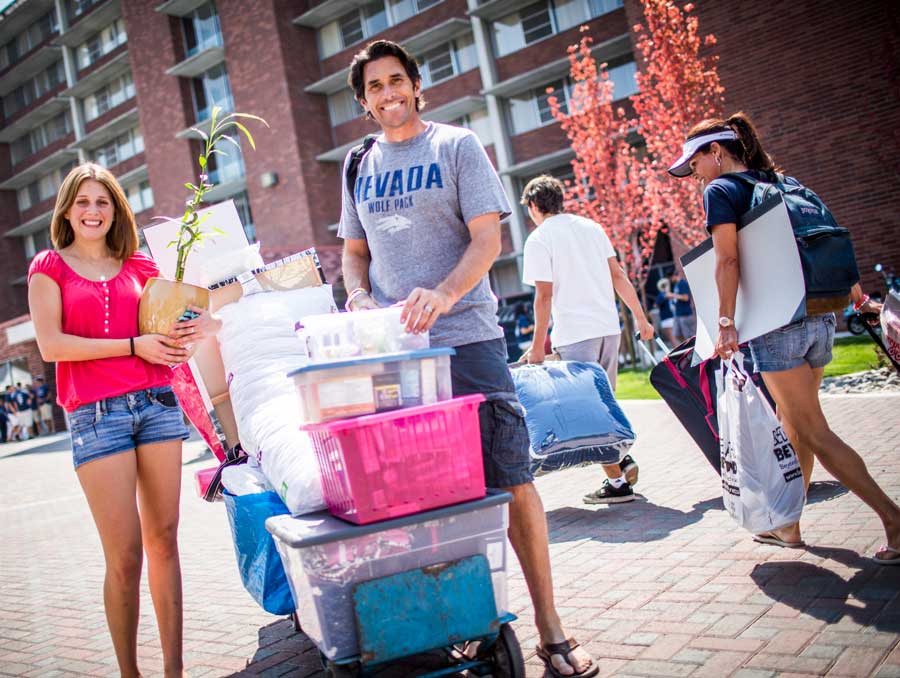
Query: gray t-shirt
x=412, y=202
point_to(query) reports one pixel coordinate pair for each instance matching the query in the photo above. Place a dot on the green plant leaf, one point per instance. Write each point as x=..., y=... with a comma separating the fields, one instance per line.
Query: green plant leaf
x=230, y=138
x=246, y=133
x=249, y=116
x=190, y=187
x=202, y=160
x=203, y=135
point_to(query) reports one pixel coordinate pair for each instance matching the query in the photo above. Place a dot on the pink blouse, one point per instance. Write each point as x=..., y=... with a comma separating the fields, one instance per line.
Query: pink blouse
x=101, y=310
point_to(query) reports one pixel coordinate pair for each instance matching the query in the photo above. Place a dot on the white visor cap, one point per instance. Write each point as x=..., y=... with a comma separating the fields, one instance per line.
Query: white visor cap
x=682, y=166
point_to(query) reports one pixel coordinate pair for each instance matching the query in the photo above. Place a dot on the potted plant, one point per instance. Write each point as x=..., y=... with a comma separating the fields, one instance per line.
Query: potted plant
x=164, y=302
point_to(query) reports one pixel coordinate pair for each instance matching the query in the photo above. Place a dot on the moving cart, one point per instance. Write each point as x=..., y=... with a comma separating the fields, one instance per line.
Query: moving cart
x=368, y=595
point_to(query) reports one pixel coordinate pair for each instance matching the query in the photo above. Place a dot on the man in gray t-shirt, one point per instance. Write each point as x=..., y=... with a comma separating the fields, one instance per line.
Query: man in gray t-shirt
x=421, y=226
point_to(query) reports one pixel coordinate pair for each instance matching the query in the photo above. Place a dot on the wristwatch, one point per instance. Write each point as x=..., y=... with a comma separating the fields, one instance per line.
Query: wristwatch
x=725, y=321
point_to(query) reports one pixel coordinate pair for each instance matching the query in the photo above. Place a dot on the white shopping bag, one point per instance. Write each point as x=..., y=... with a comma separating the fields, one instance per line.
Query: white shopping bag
x=762, y=485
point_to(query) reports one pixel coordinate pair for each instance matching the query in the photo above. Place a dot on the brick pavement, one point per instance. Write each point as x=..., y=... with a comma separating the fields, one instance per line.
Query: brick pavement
x=666, y=586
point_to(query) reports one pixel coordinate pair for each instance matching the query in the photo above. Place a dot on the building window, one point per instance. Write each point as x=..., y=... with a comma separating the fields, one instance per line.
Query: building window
x=43, y=188
x=40, y=137
x=123, y=147
x=224, y=168
x=242, y=203
x=343, y=107
x=212, y=89
x=531, y=109
x=140, y=196
x=35, y=34
x=102, y=43
x=365, y=22
x=33, y=89
x=37, y=242
x=108, y=97
x=75, y=8
x=448, y=60
x=201, y=29
x=545, y=18
x=480, y=123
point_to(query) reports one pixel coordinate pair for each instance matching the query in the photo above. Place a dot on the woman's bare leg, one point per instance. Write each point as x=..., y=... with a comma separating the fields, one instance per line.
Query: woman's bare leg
x=109, y=485
x=796, y=392
x=159, y=493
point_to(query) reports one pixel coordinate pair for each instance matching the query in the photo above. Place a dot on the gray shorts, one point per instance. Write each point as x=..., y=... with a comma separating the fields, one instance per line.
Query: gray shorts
x=481, y=368
x=805, y=342
x=684, y=326
x=603, y=350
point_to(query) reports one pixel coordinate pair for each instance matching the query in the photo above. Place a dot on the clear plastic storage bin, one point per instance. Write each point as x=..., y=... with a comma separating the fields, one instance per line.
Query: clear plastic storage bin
x=324, y=558
x=348, y=388
x=398, y=463
x=338, y=336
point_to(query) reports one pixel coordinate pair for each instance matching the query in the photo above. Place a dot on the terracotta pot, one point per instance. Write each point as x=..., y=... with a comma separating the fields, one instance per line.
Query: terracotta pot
x=163, y=301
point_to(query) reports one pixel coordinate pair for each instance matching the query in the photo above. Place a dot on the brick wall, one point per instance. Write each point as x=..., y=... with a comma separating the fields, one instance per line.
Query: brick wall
x=162, y=101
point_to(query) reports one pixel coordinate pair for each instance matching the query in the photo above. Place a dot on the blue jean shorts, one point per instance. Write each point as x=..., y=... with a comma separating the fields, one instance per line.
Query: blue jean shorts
x=805, y=342
x=481, y=368
x=122, y=423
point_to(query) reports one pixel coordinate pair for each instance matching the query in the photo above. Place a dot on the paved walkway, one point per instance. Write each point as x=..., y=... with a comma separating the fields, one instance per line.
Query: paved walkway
x=666, y=586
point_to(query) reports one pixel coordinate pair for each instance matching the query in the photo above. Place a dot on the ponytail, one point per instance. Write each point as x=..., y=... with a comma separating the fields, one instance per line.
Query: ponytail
x=752, y=153
x=747, y=147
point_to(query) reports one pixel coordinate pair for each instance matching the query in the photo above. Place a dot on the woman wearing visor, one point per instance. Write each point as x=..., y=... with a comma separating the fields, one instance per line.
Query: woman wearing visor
x=792, y=358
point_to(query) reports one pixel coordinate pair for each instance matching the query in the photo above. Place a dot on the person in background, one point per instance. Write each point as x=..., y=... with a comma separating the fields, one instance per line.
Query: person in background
x=12, y=413
x=792, y=358
x=23, y=411
x=572, y=265
x=685, y=322
x=664, y=306
x=524, y=327
x=45, y=406
x=115, y=384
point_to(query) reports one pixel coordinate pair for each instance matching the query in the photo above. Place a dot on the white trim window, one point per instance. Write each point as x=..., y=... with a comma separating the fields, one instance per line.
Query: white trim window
x=140, y=196
x=33, y=89
x=212, y=88
x=75, y=8
x=242, y=204
x=227, y=165
x=480, y=123
x=343, y=107
x=43, y=188
x=34, y=35
x=531, y=109
x=365, y=22
x=37, y=242
x=201, y=29
x=119, y=149
x=101, y=43
x=545, y=18
x=449, y=60
x=108, y=97
x=40, y=137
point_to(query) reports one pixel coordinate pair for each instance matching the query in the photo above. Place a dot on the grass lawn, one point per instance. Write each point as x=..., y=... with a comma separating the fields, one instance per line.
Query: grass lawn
x=851, y=354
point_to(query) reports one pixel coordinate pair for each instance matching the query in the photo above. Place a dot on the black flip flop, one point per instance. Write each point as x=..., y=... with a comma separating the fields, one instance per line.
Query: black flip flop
x=545, y=653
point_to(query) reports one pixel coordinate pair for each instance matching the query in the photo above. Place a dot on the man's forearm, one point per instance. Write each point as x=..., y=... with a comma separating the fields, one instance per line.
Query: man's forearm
x=627, y=293
x=541, y=321
x=472, y=267
x=356, y=271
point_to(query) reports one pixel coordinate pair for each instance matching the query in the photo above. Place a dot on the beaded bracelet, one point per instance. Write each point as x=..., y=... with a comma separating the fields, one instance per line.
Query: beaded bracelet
x=359, y=291
x=862, y=302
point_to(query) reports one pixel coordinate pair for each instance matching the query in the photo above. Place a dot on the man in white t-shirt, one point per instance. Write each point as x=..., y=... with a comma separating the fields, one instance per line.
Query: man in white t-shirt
x=572, y=265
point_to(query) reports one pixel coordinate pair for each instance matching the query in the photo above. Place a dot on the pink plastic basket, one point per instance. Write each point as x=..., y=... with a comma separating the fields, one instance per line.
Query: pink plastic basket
x=397, y=463
x=204, y=477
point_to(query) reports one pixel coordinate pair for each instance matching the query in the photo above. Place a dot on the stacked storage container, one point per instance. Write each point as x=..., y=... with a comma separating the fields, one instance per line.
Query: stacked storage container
x=393, y=445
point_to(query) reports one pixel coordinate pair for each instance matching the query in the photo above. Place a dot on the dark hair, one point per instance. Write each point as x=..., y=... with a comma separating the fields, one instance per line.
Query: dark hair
x=379, y=50
x=747, y=147
x=546, y=193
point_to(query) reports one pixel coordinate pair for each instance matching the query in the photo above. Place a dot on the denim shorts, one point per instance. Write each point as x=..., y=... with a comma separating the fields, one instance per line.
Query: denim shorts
x=805, y=342
x=481, y=368
x=122, y=423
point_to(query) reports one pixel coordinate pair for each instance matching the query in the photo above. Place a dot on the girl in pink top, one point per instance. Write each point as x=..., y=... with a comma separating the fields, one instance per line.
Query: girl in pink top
x=126, y=426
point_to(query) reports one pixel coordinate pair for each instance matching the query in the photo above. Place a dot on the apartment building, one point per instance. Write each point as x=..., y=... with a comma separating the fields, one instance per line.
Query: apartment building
x=123, y=82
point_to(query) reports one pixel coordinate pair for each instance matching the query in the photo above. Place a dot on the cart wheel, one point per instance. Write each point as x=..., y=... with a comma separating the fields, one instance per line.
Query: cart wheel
x=342, y=670
x=506, y=655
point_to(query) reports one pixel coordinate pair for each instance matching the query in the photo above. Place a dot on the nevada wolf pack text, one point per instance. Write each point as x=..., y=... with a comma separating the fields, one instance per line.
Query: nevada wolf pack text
x=393, y=189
